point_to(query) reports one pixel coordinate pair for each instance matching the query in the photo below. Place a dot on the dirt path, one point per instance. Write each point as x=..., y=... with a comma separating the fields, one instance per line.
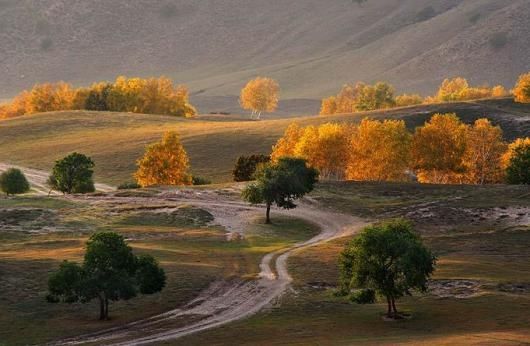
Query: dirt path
x=225, y=302
x=38, y=178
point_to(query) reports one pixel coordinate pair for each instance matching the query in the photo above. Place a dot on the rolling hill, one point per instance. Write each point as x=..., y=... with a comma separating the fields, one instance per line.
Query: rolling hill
x=312, y=47
x=116, y=140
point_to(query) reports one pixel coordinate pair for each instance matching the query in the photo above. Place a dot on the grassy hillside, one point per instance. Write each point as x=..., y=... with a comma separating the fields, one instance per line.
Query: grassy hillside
x=479, y=294
x=312, y=47
x=116, y=140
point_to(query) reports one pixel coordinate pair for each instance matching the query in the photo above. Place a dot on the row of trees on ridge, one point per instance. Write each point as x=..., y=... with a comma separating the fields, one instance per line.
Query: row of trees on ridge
x=364, y=97
x=136, y=95
x=443, y=151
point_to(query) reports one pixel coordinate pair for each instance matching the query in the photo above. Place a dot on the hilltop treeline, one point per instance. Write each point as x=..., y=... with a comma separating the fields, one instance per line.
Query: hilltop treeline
x=443, y=151
x=137, y=95
x=364, y=97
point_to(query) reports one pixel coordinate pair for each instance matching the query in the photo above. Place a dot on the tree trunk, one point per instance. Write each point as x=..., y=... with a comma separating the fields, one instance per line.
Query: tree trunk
x=106, y=308
x=101, y=307
x=389, y=307
x=268, y=221
x=394, y=307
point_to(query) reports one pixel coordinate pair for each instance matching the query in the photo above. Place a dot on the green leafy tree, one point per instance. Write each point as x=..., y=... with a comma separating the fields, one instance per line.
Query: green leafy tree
x=246, y=166
x=388, y=258
x=518, y=171
x=13, y=182
x=73, y=174
x=110, y=272
x=281, y=184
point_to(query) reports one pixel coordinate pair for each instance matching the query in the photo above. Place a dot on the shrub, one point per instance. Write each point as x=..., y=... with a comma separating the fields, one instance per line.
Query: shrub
x=408, y=100
x=363, y=296
x=129, y=186
x=13, y=182
x=196, y=180
x=246, y=166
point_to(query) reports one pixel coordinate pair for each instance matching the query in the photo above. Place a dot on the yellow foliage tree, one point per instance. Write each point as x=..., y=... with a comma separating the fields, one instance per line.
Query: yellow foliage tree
x=512, y=148
x=285, y=147
x=325, y=148
x=379, y=151
x=438, y=150
x=329, y=106
x=260, y=95
x=484, y=152
x=452, y=89
x=408, y=100
x=164, y=163
x=522, y=89
x=499, y=91
x=346, y=100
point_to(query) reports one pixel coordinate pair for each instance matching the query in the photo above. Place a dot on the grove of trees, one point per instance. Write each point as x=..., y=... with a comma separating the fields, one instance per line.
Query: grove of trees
x=281, y=183
x=164, y=163
x=110, y=272
x=444, y=151
x=137, y=95
x=364, y=97
x=260, y=95
x=388, y=259
x=13, y=182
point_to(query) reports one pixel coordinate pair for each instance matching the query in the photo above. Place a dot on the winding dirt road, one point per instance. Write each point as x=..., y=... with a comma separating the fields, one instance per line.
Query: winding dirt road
x=223, y=302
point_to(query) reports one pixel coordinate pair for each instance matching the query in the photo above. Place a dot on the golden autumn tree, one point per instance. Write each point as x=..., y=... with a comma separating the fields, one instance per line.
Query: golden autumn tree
x=379, y=151
x=285, y=147
x=346, y=100
x=438, y=150
x=325, y=148
x=452, y=89
x=164, y=163
x=329, y=106
x=499, y=91
x=484, y=151
x=519, y=143
x=408, y=100
x=522, y=89
x=260, y=95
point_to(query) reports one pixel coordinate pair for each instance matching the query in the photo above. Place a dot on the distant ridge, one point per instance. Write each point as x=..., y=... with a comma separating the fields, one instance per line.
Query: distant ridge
x=311, y=46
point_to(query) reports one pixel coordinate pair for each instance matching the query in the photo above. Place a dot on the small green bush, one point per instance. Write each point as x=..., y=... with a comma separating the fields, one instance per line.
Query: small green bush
x=13, y=182
x=129, y=186
x=200, y=181
x=364, y=296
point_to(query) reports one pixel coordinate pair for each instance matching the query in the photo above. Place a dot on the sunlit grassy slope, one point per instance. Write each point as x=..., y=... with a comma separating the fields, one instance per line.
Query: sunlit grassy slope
x=116, y=140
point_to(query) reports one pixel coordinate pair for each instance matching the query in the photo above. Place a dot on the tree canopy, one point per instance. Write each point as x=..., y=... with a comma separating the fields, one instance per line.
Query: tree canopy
x=522, y=89
x=260, y=95
x=73, y=174
x=281, y=183
x=13, y=182
x=246, y=166
x=518, y=162
x=110, y=272
x=388, y=258
x=164, y=163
